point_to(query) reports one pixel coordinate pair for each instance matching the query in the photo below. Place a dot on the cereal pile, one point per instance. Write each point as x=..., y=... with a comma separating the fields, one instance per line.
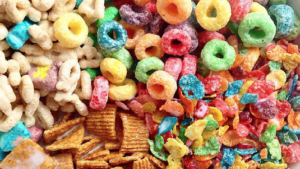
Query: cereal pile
x=148, y=84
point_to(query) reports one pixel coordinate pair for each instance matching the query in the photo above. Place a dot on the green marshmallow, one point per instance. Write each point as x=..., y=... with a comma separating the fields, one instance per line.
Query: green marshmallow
x=121, y=55
x=93, y=72
x=269, y=135
x=274, y=149
x=146, y=67
x=94, y=38
x=110, y=14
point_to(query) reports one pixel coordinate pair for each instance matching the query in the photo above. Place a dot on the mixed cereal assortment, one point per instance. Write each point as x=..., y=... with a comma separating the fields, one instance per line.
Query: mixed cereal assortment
x=148, y=84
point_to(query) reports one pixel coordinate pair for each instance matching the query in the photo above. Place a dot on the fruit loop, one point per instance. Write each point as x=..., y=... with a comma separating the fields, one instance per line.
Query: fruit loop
x=204, y=14
x=170, y=84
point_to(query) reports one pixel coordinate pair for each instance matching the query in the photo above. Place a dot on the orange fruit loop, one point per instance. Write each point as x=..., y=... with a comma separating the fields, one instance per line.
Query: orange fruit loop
x=189, y=105
x=173, y=108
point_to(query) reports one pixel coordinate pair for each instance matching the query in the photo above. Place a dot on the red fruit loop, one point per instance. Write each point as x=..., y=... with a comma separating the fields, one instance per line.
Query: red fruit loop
x=284, y=108
x=100, y=93
x=212, y=83
x=149, y=122
x=239, y=9
x=206, y=36
x=221, y=105
x=242, y=130
x=152, y=6
x=201, y=110
x=142, y=89
x=189, y=65
x=173, y=66
x=263, y=88
x=224, y=30
x=176, y=42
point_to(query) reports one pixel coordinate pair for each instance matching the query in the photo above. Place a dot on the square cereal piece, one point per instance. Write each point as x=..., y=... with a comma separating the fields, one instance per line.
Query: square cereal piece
x=143, y=164
x=72, y=140
x=135, y=134
x=112, y=155
x=87, y=147
x=122, y=160
x=158, y=163
x=64, y=161
x=112, y=145
x=27, y=155
x=102, y=123
x=61, y=128
x=85, y=164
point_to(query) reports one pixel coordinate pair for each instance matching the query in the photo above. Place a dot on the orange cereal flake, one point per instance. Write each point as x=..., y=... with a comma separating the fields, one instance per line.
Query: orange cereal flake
x=203, y=157
x=173, y=108
x=189, y=105
x=263, y=153
x=231, y=138
x=238, y=60
x=292, y=120
x=149, y=107
x=276, y=54
x=250, y=59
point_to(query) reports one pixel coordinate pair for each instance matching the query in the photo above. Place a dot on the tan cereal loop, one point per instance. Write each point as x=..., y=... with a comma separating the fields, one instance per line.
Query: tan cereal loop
x=135, y=133
x=73, y=140
x=156, y=161
x=112, y=145
x=86, y=147
x=64, y=161
x=24, y=153
x=143, y=164
x=60, y=128
x=102, y=123
x=92, y=164
x=122, y=160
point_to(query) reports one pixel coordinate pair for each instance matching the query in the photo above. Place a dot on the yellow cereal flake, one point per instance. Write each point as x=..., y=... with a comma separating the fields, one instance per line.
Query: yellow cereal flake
x=176, y=147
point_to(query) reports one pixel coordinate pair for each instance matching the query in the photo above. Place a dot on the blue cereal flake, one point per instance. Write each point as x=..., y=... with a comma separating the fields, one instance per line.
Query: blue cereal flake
x=106, y=42
x=17, y=37
x=3, y=155
x=187, y=121
x=286, y=127
x=287, y=137
x=228, y=158
x=295, y=102
x=248, y=98
x=190, y=83
x=166, y=124
x=9, y=140
x=245, y=151
x=234, y=88
x=257, y=158
x=295, y=79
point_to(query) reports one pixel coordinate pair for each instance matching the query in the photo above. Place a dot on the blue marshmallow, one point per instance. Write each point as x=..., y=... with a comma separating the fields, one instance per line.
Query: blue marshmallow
x=9, y=140
x=248, y=98
x=17, y=37
x=234, y=88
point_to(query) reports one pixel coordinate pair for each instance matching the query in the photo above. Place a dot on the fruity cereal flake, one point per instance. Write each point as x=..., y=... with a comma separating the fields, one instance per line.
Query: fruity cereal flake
x=145, y=84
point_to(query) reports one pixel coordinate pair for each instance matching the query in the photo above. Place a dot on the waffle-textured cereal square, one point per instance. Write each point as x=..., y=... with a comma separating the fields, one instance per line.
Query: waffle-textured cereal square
x=64, y=161
x=143, y=164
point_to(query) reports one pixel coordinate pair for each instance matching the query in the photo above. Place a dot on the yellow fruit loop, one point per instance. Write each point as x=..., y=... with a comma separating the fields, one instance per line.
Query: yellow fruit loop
x=122, y=91
x=114, y=70
x=70, y=30
x=256, y=7
x=203, y=12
